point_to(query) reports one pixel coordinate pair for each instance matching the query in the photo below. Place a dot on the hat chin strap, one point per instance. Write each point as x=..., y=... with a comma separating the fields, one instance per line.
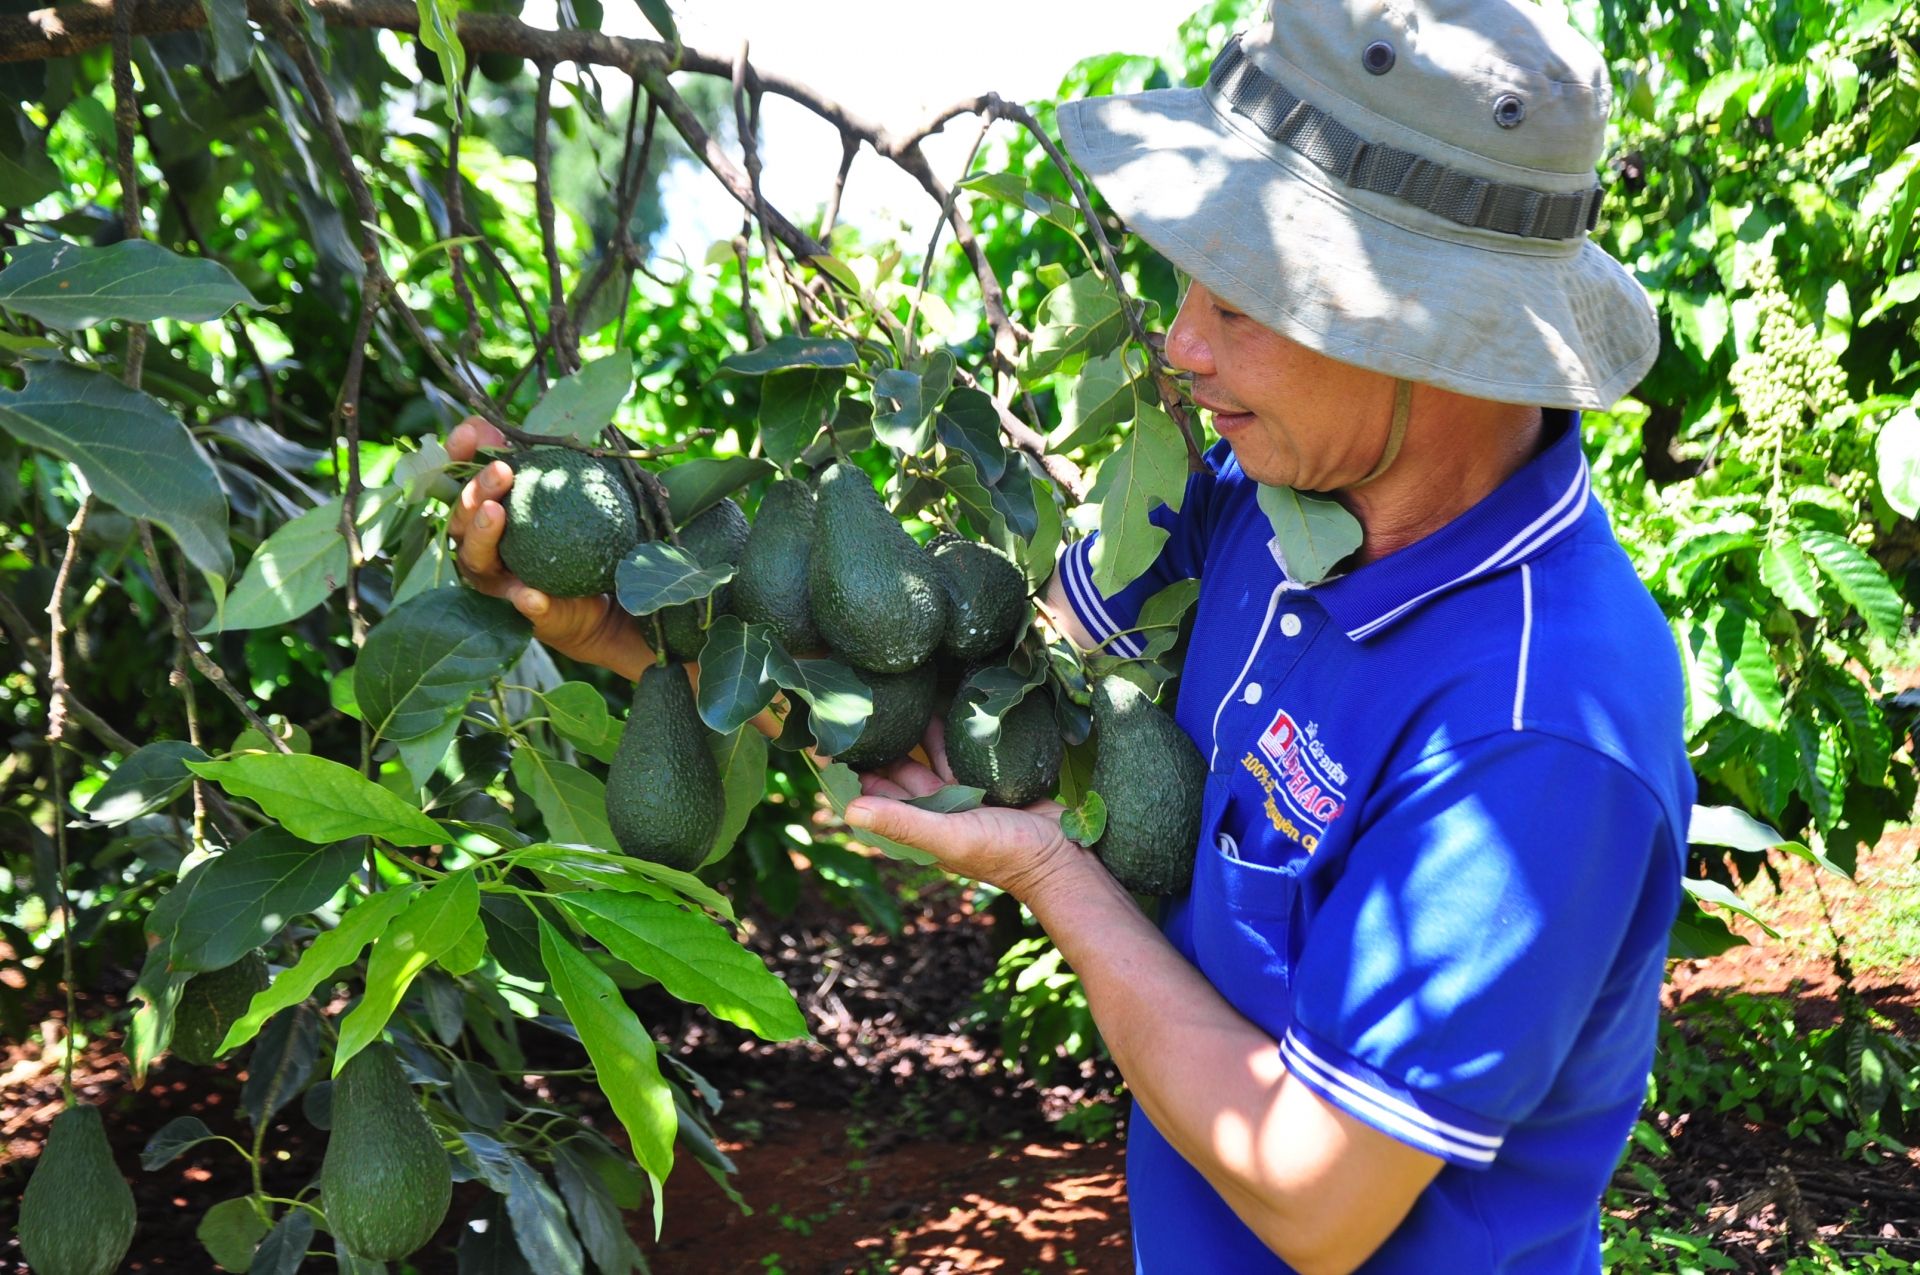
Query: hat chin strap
x=1396, y=432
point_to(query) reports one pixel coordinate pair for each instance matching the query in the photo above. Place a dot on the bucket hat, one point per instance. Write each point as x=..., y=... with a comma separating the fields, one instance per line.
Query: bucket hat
x=1404, y=185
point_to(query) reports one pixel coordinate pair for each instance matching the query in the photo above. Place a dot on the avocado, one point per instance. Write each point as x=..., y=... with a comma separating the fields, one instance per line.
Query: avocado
x=570, y=520
x=987, y=598
x=717, y=536
x=902, y=707
x=1019, y=768
x=76, y=1215
x=501, y=68
x=771, y=587
x=212, y=1002
x=386, y=1181
x=877, y=596
x=1148, y=772
x=665, y=799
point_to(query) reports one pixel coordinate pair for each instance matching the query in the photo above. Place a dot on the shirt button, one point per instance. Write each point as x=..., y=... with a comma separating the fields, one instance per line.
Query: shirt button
x=1290, y=625
x=1252, y=694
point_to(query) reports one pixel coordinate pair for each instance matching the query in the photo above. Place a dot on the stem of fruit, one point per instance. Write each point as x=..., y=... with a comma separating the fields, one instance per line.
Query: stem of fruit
x=56, y=729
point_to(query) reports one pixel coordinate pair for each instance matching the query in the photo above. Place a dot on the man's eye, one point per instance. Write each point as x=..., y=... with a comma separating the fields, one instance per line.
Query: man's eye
x=1225, y=313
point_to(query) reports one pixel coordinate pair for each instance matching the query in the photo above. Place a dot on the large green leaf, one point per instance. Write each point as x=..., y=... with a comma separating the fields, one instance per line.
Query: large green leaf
x=602, y=871
x=1081, y=316
x=244, y=896
x=154, y=775
x=590, y=1202
x=578, y=712
x=792, y=351
x=580, y=405
x=693, y=958
x=1101, y=398
x=742, y=759
x=736, y=673
x=1860, y=580
x=440, y=33
x=1743, y=659
x=430, y=655
x=695, y=486
x=432, y=924
x=625, y=1061
x=1148, y=470
x=331, y=951
x=321, y=800
x=136, y=455
x=900, y=411
x=657, y=575
x=539, y=1221
x=1785, y=570
x=839, y=702
x=794, y=407
x=1313, y=533
x=66, y=285
x=232, y=40
x=300, y=565
x=969, y=423
x=573, y=802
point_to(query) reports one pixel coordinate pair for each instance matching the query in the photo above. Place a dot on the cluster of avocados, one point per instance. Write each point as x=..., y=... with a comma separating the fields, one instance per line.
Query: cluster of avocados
x=828, y=569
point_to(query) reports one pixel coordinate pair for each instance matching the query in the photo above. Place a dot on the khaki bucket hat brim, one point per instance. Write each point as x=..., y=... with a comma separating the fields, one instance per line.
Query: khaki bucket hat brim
x=1360, y=277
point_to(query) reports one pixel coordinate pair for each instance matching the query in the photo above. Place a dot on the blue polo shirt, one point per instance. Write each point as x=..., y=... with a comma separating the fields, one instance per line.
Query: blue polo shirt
x=1441, y=847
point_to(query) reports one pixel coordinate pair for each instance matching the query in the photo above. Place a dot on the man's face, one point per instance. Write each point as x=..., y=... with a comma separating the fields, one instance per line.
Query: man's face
x=1294, y=417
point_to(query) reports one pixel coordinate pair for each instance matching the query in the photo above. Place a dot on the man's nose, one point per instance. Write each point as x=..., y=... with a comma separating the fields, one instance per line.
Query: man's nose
x=1187, y=349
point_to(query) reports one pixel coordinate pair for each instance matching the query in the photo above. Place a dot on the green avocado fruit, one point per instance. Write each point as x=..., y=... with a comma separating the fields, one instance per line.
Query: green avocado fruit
x=1019, y=768
x=570, y=520
x=771, y=587
x=501, y=68
x=987, y=599
x=718, y=535
x=1151, y=777
x=877, y=596
x=386, y=1181
x=210, y=1003
x=665, y=799
x=76, y=1215
x=902, y=707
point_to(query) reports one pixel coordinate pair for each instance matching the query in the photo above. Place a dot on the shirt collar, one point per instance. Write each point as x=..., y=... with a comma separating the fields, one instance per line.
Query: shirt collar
x=1533, y=509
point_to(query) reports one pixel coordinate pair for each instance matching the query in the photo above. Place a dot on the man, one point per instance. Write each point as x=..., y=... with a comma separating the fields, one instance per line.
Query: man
x=1403, y=1017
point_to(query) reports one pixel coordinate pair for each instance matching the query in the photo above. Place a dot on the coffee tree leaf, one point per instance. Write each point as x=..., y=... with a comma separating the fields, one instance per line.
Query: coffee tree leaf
x=572, y=801
x=623, y=1054
x=1785, y=569
x=792, y=351
x=539, y=1221
x=320, y=800
x=656, y=576
x=432, y=923
x=230, y=1231
x=1147, y=470
x=67, y=285
x=146, y=781
x=582, y=404
x=1860, y=580
x=281, y=1062
x=174, y=1139
x=1312, y=533
x=694, y=959
x=695, y=486
x=794, y=407
x=430, y=655
x=838, y=702
x=742, y=760
x=134, y=452
x=578, y=713
x=736, y=673
x=243, y=897
x=285, y=1248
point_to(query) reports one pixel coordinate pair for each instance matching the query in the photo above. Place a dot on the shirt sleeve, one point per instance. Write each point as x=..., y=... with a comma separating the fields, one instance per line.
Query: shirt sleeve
x=1513, y=892
x=1105, y=616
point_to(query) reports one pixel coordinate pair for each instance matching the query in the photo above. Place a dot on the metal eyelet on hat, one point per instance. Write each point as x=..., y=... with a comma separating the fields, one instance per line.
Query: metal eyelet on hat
x=1378, y=57
x=1508, y=111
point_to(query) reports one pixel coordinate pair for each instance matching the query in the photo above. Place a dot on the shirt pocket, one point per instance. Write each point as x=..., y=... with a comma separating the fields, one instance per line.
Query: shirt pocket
x=1242, y=913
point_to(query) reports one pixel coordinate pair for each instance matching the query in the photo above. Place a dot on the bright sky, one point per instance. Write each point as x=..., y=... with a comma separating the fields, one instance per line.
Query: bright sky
x=891, y=61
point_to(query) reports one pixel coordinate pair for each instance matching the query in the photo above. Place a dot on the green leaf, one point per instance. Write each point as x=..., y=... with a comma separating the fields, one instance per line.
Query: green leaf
x=840, y=785
x=433, y=922
x=624, y=1059
x=330, y=952
x=244, y=896
x=300, y=565
x=1088, y=823
x=431, y=655
x=1081, y=316
x=1750, y=684
x=1897, y=453
x=1821, y=779
x=992, y=694
x=1705, y=891
x=145, y=782
x=1701, y=320
x=281, y=1063
x=953, y=799
x=173, y=1140
x=902, y=426
x=742, y=759
x=1732, y=827
x=230, y=1231
x=603, y=871
x=694, y=959
x=656, y=576
x=969, y=423
x=465, y=956
x=232, y=38
x=1865, y=725
x=736, y=674
x=340, y=694
x=660, y=17
x=1785, y=570
x=1013, y=188
x=590, y=1202
x=580, y=405
x=792, y=351
x=321, y=800
x=571, y=801
x=422, y=755
x=284, y=1250
x=578, y=713
x=1311, y=533
x=27, y=171
x=540, y=1222
x=1147, y=470
x=65, y=285
x=1100, y=399
x=794, y=407
x=695, y=486
x=136, y=455
x=440, y=33
x=1860, y=580
x=838, y=701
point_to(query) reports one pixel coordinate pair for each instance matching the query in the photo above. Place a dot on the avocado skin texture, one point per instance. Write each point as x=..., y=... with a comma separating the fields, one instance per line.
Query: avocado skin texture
x=570, y=520
x=1151, y=777
x=210, y=1003
x=76, y=1215
x=665, y=799
x=902, y=707
x=386, y=1181
x=987, y=599
x=771, y=588
x=718, y=535
x=1019, y=768
x=877, y=596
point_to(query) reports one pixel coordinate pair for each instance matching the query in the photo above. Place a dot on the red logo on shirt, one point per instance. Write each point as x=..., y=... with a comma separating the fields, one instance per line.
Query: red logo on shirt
x=1308, y=780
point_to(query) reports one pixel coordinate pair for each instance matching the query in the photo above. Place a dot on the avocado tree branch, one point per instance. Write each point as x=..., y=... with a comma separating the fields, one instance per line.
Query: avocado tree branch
x=560, y=337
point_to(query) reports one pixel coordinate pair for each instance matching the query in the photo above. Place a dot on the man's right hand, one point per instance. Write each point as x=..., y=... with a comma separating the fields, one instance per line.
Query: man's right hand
x=593, y=629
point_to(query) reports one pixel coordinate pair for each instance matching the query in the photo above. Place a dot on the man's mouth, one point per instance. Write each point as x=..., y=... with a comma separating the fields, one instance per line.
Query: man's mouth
x=1225, y=420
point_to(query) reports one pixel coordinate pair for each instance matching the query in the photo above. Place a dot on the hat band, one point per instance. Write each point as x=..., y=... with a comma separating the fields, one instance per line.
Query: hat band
x=1386, y=170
